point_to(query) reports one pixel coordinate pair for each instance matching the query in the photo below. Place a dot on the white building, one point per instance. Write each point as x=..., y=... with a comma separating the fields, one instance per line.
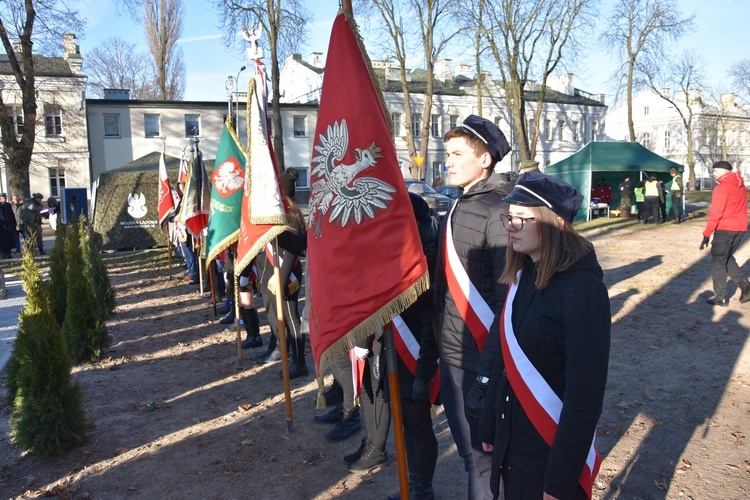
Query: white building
x=61, y=154
x=721, y=128
x=571, y=118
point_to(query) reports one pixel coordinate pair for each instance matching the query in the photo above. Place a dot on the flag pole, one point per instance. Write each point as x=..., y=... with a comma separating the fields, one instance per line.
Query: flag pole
x=213, y=290
x=282, y=337
x=169, y=253
x=398, y=427
x=236, y=288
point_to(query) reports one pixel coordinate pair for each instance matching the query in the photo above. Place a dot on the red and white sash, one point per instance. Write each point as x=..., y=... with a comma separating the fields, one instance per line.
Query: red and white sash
x=472, y=307
x=407, y=348
x=537, y=398
x=292, y=283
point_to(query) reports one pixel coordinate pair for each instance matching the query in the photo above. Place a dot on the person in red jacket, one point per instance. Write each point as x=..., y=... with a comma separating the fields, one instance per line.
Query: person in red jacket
x=727, y=221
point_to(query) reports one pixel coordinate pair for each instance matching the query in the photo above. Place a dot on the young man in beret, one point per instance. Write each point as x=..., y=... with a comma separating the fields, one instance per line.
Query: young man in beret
x=468, y=295
x=727, y=221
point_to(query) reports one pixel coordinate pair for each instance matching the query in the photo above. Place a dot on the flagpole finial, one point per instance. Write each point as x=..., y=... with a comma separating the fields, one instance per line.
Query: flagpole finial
x=163, y=143
x=254, y=51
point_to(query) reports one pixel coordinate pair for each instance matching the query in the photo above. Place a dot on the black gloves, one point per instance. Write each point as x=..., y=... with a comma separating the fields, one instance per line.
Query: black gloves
x=704, y=243
x=475, y=398
x=420, y=391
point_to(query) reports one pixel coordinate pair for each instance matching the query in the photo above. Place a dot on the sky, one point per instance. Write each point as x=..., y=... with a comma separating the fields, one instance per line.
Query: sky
x=719, y=37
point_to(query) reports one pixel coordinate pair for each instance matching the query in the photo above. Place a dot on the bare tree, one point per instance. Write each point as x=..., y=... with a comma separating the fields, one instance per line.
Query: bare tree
x=437, y=28
x=285, y=22
x=528, y=38
x=31, y=24
x=117, y=64
x=740, y=73
x=640, y=29
x=162, y=23
x=685, y=75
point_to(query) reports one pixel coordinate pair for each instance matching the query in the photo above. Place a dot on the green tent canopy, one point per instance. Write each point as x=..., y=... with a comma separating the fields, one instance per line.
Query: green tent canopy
x=611, y=161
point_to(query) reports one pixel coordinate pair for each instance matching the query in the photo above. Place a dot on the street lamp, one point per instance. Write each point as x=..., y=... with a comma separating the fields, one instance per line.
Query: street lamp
x=229, y=85
x=237, y=79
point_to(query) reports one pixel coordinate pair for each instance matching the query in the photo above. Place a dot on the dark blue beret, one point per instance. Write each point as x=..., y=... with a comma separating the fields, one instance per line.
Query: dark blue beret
x=535, y=189
x=489, y=133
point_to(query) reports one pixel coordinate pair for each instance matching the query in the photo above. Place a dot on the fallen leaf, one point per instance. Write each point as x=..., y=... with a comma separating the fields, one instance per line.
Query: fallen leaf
x=247, y=442
x=244, y=407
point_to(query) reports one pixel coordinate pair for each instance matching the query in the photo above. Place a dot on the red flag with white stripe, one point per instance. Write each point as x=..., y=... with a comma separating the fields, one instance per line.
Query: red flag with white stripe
x=166, y=202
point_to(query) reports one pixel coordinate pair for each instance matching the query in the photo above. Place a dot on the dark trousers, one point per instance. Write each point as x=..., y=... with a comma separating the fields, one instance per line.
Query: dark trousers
x=455, y=384
x=677, y=206
x=652, y=208
x=375, y=409
x=341, y=369
x=723, y=263
x=295, y=339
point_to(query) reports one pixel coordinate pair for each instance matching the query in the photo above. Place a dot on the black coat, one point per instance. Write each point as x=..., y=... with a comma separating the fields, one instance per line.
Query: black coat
x=564, y=330
x=480, y=240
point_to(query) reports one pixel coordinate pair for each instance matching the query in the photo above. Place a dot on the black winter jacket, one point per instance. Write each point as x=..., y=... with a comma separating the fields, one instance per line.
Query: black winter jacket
x=480, y=240
x=564, y=330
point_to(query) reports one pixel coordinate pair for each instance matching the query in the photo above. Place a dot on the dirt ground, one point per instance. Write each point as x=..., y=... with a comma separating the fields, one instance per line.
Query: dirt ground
x=176, y=415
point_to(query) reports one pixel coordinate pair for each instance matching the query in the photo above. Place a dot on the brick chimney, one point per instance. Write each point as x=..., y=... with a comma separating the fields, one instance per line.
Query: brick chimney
x=72, y=53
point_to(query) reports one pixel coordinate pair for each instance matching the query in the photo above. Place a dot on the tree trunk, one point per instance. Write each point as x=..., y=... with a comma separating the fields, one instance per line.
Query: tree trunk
x=629, y=90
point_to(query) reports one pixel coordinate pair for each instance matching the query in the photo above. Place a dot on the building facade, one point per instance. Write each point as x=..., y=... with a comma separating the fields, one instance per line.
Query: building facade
x=720, y=129
x=570, y=117
x=61, y=153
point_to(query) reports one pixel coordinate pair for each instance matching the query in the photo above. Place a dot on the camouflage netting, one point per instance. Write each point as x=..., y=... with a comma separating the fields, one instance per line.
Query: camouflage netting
x=126, y=205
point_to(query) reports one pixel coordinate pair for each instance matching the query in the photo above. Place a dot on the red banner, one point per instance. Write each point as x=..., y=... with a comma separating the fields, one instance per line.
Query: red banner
x=166, y=202
x=365, y=260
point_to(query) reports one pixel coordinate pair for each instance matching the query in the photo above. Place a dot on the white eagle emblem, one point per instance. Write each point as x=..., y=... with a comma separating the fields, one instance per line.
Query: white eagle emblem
x=228, y=178
x=137, y=205
x=350, y=199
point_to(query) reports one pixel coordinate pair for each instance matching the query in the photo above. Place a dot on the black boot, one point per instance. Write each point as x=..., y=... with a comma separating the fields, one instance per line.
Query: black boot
x=252, y=327
x=330, y=417
x=372, y=457
x=347, y=426
x=745, y=289
x=353, y=457
x=420, y=481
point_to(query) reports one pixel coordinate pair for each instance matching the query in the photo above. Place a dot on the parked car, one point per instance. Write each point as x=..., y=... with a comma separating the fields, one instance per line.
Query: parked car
x=439, y=203
x=452, y=192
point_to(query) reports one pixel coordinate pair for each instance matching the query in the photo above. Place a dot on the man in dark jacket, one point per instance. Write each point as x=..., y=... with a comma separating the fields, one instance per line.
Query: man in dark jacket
x=468, y=296
x=32, y=217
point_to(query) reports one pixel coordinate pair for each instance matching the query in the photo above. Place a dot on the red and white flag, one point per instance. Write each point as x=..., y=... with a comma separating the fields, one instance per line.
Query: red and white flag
x=365, y=260
x=263, y=209
x=196, y=198
x=166, y=202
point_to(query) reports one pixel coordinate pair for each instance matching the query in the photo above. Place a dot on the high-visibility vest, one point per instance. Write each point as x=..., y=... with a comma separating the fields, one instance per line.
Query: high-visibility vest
x=652, y=189
x=638, y=194
x=675, y=185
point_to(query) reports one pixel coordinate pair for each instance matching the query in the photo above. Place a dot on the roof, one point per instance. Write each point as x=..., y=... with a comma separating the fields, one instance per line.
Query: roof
x=613, y=157
x=150, y=163
x=43, y=66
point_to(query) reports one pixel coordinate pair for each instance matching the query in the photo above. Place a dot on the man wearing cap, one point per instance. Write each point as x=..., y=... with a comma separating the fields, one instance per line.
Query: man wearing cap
x=468, y=296
x=727, y=221
x=7, y=227
x=33, y=218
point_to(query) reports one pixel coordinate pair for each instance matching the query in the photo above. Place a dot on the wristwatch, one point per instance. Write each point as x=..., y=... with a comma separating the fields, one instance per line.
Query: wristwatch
x=482, y=379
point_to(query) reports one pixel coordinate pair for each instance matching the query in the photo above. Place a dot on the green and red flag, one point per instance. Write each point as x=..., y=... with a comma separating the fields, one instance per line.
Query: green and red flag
x=364, y=259
x=264, y=210
x=196, y=198
x=228, y=181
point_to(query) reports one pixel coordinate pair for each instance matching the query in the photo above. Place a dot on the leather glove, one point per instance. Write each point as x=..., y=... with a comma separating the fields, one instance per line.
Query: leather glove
x=475, y=399
x=704, y=243
x=420, y=391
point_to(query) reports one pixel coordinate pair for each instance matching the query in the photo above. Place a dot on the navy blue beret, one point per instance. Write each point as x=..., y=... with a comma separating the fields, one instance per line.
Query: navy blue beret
x=535, y=189
x=489, y=133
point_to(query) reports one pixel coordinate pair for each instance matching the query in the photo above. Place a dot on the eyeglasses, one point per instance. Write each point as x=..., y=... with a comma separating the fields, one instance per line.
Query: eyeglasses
x=516, y=221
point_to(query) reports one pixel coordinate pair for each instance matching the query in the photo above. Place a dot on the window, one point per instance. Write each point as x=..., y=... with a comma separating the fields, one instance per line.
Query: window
x=547, y=129
x=645, y=110
x=499, y=122
x=667, y=135
x=396, y=121
x=303, y=177
x=111, y=124
x=453, y=121
x=152, y=125
x=15, y=118
x=437, y=170
x=594, y=130
x=56, y=181
x=575, y=131
x=416, y=125
x=560, y=129
x=300, y=126
x=53, y=121
x=435, y=125
x=530, y=129
x=192, y=125
x=646, y=140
